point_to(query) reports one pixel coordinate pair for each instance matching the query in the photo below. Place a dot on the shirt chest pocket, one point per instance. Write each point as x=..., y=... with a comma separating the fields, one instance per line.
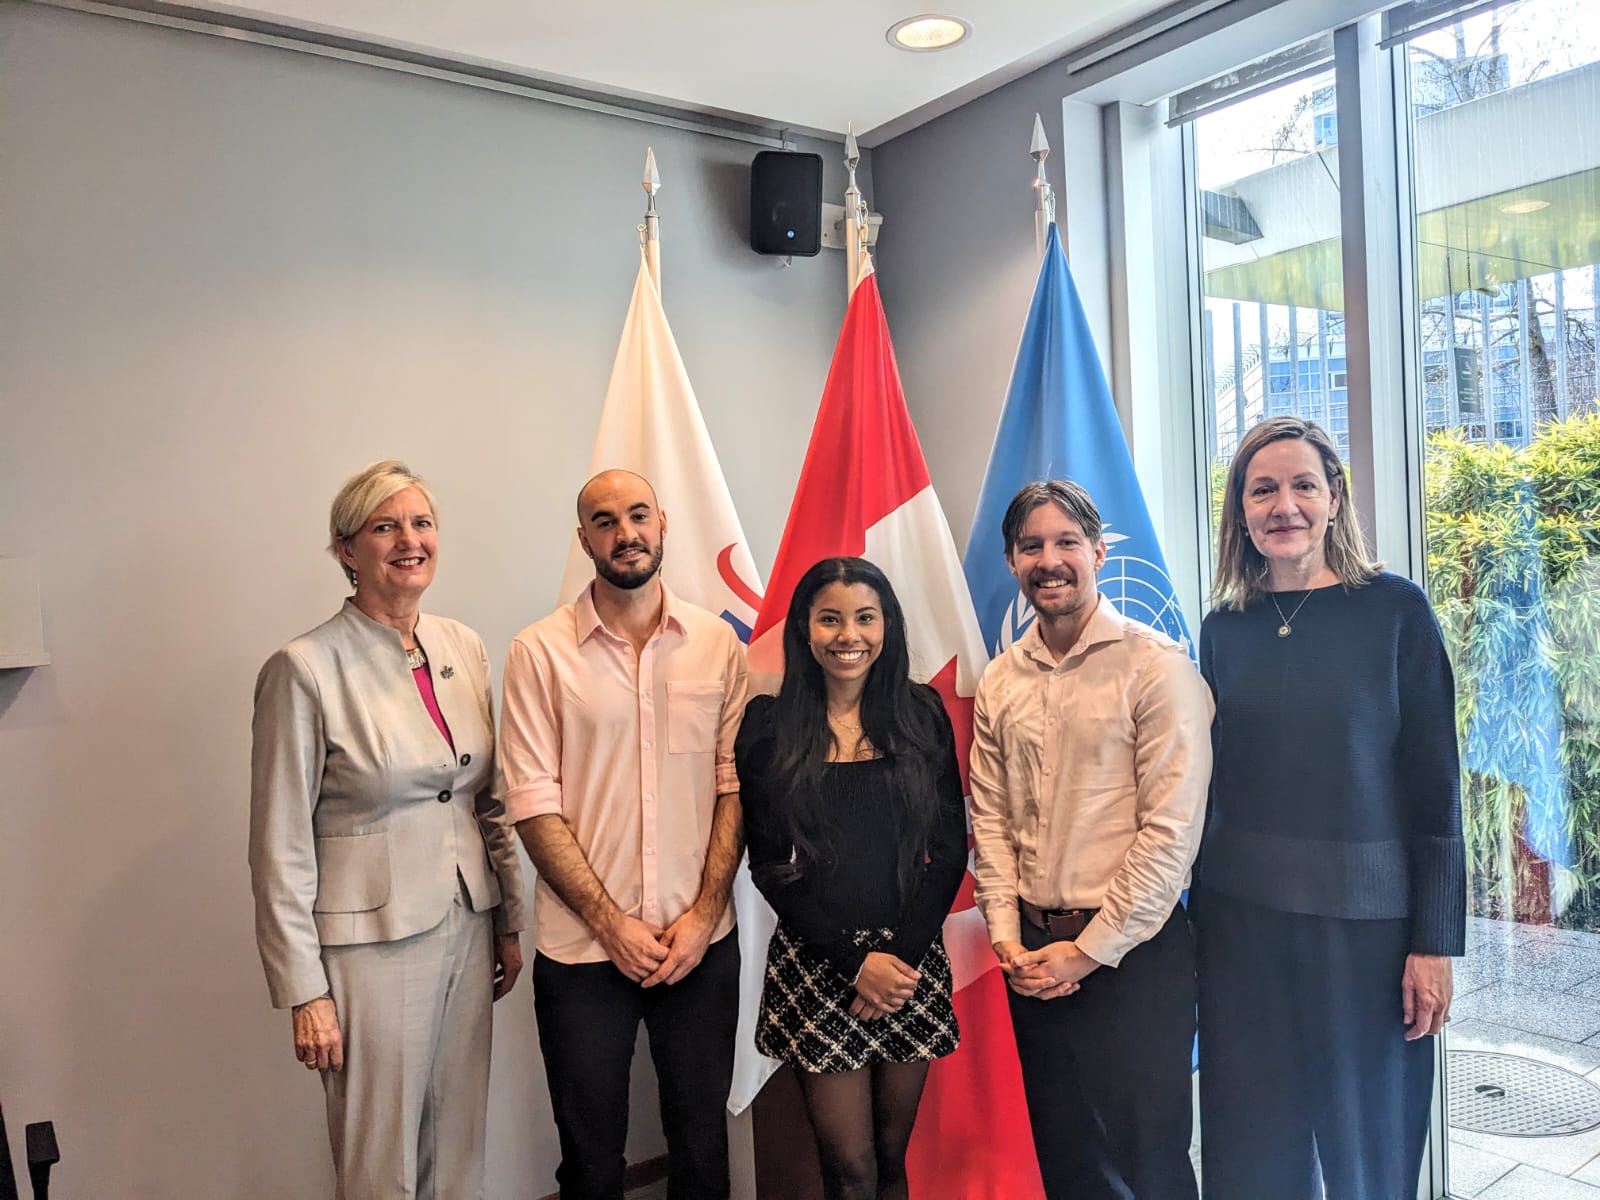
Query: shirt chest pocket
x=694, y=714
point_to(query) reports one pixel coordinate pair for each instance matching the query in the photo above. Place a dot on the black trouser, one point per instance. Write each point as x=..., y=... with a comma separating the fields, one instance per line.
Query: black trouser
x=1107, y=1074
x=1306, y=1078
x=589, y=1016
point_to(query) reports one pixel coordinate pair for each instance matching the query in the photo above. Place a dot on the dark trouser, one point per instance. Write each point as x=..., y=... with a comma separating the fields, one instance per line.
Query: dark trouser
x=1303, y=1060
x=588, y=1015
x=1107, y=1075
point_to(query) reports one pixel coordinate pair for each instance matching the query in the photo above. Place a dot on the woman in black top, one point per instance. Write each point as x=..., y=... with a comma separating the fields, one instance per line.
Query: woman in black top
x=857, y=833
x=1331, y=885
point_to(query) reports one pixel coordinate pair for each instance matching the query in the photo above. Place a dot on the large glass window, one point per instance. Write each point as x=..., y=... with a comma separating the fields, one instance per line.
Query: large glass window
x=1505, y=133
x=1502, y=108
x=1267, y=175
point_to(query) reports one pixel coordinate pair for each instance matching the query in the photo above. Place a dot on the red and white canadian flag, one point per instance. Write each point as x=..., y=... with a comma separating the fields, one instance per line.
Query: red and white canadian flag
x=864, y=490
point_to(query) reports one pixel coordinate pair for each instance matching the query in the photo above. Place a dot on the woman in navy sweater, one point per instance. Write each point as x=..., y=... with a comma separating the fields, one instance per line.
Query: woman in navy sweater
x=1331, y=887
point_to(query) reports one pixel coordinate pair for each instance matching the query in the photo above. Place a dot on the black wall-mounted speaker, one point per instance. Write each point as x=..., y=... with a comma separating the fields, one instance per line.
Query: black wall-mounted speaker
x=786, y=203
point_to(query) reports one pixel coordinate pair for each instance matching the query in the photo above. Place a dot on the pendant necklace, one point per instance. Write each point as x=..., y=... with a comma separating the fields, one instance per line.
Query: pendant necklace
x=1287, y=627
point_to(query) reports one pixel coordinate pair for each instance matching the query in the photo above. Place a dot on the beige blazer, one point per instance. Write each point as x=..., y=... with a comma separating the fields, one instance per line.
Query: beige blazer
x=361, y=817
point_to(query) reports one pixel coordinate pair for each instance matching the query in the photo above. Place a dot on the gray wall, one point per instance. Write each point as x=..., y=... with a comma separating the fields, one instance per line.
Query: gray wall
x=229, y=276
x=957, y=266
x=959, y=263
x=957, y=258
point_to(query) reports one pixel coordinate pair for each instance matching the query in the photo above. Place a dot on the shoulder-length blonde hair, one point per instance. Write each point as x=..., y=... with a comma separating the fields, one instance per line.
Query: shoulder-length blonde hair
x=1241, y=578
x=359, y=498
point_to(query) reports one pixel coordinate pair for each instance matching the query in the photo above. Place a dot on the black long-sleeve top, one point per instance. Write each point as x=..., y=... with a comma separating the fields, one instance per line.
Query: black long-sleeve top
x=1336, y=785
x=857, y=886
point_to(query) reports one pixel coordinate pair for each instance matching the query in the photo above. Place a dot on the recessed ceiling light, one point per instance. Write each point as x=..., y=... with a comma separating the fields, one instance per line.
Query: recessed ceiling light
x=1524, y=206
x=928, y=32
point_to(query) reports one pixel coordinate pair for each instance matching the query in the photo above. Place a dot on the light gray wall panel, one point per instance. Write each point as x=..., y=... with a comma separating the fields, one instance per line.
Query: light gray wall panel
x=229, y=276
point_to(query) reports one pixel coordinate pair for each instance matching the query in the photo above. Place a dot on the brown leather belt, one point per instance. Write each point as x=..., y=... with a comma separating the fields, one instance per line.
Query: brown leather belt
x=1062, y=924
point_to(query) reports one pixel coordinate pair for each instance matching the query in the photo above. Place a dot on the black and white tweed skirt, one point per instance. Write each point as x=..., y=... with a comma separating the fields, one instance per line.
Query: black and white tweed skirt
x=805, y=1016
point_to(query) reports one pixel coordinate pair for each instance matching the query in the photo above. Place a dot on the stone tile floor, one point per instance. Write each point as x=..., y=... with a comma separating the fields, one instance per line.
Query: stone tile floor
x=1534, y=992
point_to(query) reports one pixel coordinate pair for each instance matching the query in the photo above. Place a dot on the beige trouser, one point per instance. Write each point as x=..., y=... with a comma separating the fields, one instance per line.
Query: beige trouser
x=406, y=1115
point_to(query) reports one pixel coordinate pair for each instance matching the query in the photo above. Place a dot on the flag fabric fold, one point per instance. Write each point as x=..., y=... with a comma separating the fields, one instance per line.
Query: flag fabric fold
x=864, y=490
x=1059, y=422
x=651, y=425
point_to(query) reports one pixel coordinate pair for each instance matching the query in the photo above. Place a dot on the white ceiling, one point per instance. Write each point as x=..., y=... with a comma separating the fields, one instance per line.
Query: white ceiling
x=800, y=64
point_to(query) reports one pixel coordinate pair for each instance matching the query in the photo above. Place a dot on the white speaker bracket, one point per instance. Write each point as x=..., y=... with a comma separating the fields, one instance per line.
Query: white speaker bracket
x=833, y=229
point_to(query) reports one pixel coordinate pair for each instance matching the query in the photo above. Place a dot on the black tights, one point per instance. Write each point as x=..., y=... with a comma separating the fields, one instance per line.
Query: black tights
x=863, y=1121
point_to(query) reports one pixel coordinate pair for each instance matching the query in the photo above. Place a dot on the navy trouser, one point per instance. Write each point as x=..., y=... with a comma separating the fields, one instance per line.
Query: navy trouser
x=588, y=1016
x=1306, y=1078
x=1107, y=1074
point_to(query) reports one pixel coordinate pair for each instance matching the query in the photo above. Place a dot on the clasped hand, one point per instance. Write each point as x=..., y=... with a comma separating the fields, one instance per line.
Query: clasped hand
x=649, y=955
x=1051, y=971
x=883, y=986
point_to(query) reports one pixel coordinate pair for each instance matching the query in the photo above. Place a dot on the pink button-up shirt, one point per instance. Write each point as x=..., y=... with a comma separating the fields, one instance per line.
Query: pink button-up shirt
x=632, y=750
x=1089, y=780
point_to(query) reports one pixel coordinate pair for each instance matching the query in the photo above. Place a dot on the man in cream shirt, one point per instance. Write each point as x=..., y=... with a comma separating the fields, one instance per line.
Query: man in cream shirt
x=1091, y=757
x=616, y=761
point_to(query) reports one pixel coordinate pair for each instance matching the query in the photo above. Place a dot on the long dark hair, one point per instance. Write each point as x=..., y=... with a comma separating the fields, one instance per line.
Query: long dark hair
x=899, y=719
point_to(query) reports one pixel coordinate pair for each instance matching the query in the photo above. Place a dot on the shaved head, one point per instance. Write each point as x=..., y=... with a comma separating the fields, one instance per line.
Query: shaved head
x=621, y=527
x=607, y=482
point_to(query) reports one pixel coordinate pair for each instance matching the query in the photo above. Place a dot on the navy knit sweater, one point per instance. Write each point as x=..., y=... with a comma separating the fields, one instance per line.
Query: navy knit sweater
x=1336, y=789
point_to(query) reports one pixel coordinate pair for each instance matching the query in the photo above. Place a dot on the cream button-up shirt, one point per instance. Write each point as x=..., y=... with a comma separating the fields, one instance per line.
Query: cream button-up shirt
x=632, y=750
x=1089, y=780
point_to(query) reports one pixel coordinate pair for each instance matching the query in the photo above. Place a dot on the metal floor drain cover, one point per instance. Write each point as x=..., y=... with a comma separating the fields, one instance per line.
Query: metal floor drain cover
x=1519, y=1097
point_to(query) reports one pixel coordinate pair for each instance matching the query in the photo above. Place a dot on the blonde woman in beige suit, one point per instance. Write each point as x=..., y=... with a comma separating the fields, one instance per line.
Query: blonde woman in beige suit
x=388, y=890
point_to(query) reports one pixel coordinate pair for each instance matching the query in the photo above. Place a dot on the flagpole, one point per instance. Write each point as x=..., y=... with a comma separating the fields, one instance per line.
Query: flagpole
x=855, y=215
x=1044, y=210
x=652, y=223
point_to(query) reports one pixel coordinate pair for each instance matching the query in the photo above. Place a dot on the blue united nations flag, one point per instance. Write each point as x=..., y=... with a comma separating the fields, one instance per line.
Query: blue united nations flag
x=1059, y=422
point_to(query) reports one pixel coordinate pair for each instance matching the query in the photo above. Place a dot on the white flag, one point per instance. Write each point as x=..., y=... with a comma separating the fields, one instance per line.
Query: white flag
x=651, y=425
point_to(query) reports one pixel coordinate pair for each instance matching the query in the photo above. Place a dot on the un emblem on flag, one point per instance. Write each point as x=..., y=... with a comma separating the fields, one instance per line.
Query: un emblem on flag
x=1018, y=616
x=1142, y=591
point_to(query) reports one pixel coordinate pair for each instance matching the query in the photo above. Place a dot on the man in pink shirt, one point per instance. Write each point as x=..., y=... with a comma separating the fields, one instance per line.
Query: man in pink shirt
x=1091, y=756
x=616, y=764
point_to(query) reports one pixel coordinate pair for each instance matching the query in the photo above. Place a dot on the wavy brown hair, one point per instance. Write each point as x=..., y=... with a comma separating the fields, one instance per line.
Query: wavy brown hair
x=1241, y=578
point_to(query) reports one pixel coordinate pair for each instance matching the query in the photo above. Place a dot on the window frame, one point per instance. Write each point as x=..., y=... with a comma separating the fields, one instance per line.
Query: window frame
x=1384, y=399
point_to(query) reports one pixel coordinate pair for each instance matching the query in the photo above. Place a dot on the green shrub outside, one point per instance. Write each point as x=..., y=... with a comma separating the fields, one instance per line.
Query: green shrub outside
x=1503, y=524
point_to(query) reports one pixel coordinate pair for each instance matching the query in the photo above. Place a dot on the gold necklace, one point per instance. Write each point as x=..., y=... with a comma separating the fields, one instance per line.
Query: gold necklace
x=1287, y=627
x=834, y=719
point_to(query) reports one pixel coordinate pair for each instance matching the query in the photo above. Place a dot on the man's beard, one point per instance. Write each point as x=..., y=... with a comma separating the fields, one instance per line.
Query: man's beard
x=629, y=578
